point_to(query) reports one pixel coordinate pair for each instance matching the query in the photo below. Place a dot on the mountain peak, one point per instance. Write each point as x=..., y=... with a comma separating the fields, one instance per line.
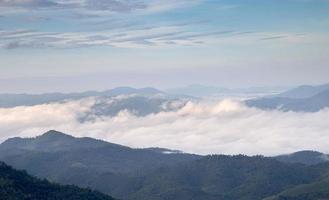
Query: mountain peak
x=55, y=134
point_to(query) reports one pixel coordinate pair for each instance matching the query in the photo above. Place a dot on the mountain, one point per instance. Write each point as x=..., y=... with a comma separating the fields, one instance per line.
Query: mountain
x=304, y=91
x=85, y=162
x=310, y=104
x=84, y=153
x=52, y=141
x=15, y=185
x=156, y=173
x=13, y=100
x=304, y=157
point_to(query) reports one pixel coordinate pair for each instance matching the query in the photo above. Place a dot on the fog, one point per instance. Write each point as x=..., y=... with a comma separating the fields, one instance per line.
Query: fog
x=221, y=127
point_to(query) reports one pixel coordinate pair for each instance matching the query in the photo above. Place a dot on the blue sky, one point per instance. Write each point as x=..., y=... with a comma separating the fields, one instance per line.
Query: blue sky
x=231, y=43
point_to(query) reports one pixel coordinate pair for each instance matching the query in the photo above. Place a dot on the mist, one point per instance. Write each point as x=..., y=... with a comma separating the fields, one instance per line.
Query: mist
x=203, y=127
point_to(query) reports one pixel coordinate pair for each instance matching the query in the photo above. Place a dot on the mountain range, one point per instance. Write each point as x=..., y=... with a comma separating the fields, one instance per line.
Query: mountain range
x=145, y=101
x=159, y=174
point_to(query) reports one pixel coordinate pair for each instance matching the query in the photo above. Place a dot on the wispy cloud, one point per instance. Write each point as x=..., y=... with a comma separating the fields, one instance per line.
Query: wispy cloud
x=273, y=38
x=31, y=4
x=133, y=37
x=100, y=5
x=114, y=5
x=101, y=19
x=136, y=37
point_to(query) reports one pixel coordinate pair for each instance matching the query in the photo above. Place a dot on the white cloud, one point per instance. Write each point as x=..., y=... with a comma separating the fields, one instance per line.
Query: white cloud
x=99, y=6
x=206, y=127
x=116, y=38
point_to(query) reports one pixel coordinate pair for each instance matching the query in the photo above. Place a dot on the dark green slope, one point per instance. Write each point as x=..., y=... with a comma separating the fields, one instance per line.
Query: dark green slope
x=224, y=178
x=18, y=185
x=316, y=190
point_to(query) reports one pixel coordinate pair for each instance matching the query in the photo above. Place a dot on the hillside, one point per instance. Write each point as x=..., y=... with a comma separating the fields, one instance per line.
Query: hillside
x=224, y=178
x=17, y=185
x=317, y=190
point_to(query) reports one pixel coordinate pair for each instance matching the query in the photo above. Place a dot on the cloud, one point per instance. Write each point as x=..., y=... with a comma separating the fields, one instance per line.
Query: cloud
x=273, y=38
x=121, y=6
x=226, y=127
x=138, y=37
x=115, y=5
x=131, y=36
x=28, y=3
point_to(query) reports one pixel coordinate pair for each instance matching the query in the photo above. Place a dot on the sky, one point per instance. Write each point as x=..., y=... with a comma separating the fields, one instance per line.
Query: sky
x=71, y=45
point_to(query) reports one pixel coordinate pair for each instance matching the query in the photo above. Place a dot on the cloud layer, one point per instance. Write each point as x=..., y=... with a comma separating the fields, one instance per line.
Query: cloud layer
x=226, y=127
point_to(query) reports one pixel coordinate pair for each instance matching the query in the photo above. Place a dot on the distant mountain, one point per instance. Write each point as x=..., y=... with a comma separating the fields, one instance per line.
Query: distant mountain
x=304, y=91
x=304, y=157
x=310, y=104
x=198, y=90
x=13, y=100
x=156, y=173
x=137, y=105
x=130, y=90
x=16, y=185
x=139, y=102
